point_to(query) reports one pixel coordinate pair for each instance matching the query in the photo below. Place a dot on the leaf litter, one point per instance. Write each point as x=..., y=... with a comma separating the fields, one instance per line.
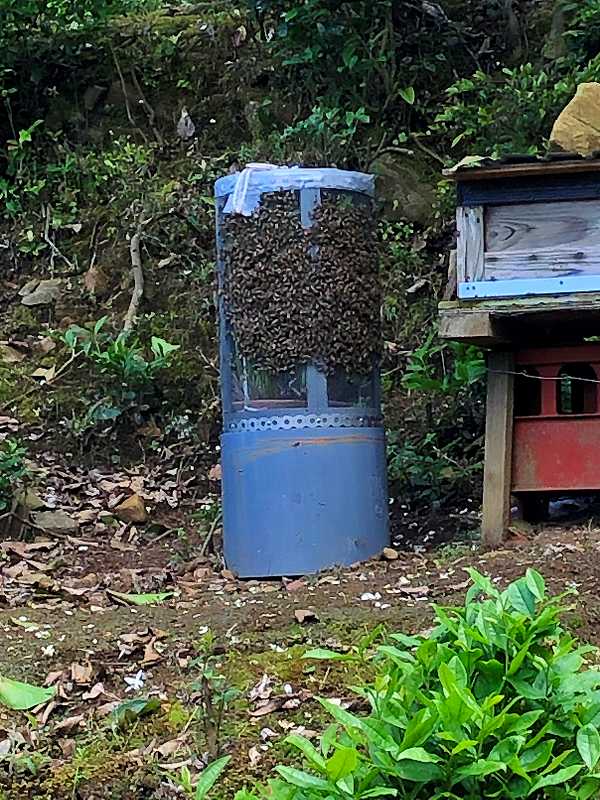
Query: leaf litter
x=73, y=594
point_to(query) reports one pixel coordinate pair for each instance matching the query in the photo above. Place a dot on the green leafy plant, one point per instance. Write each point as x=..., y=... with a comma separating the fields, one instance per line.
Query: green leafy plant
x=358, y=652
x=22, y=696
x=428, y=370
x=121, y=356
x=129, y=711
x=150, y=599
x=13, y=470
x=326, y=133
x=480, y=111
x=215, y=695
x=496, y=701
x=205, y=781
x=122, y=361
x=424, y=469
x=584, y=27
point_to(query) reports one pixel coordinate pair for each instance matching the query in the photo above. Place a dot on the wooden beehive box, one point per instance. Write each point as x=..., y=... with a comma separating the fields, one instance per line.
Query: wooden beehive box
x=528, y=229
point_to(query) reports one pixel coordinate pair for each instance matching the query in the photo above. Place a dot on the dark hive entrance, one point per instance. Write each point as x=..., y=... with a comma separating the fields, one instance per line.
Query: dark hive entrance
x=295, y=296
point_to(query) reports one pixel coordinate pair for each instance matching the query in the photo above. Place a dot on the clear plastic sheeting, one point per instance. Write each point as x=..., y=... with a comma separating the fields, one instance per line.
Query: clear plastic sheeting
x=244, y=189
x=350, y=390
x=239, y=198
x=256, y=389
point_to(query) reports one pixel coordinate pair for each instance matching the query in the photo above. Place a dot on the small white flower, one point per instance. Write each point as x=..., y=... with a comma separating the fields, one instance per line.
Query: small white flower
x=135, y=683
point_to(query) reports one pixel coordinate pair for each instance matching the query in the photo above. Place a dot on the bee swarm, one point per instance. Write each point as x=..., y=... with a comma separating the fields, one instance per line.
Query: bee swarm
x=295, y=296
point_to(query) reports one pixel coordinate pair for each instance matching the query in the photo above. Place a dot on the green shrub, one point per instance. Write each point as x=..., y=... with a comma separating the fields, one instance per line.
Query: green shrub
x=424, y=470
x=330, y=131
x=495, y=702
x=121, y=357
x=583, y=34
x=465, y=366
x=12, y=470
x=438, y=460
x=126, y=371
x=480, y=111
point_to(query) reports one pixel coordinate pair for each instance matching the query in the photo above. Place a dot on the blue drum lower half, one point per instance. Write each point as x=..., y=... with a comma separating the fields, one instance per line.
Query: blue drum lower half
x=300, y=501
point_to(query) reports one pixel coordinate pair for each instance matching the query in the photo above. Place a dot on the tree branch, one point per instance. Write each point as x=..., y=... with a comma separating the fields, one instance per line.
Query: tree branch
x=138, y=279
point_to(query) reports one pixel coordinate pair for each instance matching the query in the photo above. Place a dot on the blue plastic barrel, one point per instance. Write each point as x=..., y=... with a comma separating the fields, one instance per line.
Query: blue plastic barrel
x=303, y=456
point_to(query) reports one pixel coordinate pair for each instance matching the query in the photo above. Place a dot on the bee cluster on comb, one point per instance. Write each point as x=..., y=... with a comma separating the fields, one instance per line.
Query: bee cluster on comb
x=295, y=295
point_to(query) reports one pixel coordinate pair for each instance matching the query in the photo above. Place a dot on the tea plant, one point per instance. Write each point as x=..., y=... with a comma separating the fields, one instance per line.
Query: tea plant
x=12, y=470
x=122, y=362
x=497, y=701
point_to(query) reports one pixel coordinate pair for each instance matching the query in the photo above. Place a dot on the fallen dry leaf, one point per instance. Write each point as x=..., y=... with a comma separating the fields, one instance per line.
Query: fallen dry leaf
x=67, y=747
x=255, y=754
x=107, y=708
x=262, y=690
x=81, y=673
x=151, y=655
x=54, y=677
x=96, y=691
x=305, y=615
x=215, y=473
x=69, y=724
x=170, y=748
x=415, y=590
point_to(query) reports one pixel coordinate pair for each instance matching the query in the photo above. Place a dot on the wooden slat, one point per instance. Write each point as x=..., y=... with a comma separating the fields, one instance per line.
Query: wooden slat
x=541, y=240
x=570, y=226
x=476, y=327
x=524, y=170
x=521, y=321
x=498, y=449
x=540, y=264
x=461, y=244
x=470, y=242
x=584, y=301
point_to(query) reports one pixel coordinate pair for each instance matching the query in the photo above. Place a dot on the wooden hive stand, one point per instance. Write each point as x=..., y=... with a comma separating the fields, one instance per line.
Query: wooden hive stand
x=528, y=280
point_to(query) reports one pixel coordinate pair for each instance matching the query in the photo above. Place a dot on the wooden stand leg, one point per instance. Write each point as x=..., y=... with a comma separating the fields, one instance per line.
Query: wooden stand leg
x=498, y=448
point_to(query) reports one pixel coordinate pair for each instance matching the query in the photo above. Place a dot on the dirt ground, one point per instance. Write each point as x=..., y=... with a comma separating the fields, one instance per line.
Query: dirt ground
x=61, y=625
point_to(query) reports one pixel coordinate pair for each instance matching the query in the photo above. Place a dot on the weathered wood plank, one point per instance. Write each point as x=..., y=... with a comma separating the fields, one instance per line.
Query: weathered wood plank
x=470, y=242
x=498, y=448
x=450, y=290
x=576, y=166
x=571, y=226
x=472, y=325
x=475, y=234
x=521, y=321
x=461, y=244
x=478, y=328
x=540, y=264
